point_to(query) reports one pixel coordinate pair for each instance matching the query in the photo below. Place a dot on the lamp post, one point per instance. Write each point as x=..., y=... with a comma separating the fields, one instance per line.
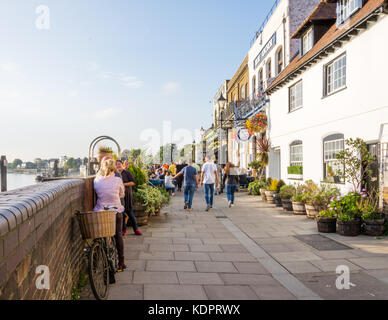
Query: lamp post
x=202, y=131
x=221, y=104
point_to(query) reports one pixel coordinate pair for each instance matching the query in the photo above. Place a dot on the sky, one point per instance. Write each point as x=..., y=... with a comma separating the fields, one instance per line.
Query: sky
x=73, y=70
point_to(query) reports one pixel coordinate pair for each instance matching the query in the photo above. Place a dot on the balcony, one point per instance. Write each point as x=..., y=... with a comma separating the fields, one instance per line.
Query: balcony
x=250, y=107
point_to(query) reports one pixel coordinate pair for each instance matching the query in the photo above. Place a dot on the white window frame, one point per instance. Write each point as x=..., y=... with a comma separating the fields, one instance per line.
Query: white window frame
x=307, y=41
x=335, y=75
x=346, y=8
x=295, y=100
x=296, y=155
x=329, y=155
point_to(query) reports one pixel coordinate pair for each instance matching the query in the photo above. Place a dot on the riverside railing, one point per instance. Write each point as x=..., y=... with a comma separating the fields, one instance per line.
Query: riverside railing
x=3, y=173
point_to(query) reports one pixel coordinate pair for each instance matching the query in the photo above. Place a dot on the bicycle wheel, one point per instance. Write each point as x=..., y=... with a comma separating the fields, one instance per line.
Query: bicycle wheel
x=99, y=271
x=113, y=255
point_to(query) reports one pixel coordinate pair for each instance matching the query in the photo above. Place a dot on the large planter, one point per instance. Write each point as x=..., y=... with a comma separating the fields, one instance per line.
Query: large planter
x=270, y=196
x=287, y=204
x=312, y=211
x=327, y=225
x=262, y=194
x=374, y=228
x=141, y=216
x=299, y=208
x=278, y=201
x=349, y=228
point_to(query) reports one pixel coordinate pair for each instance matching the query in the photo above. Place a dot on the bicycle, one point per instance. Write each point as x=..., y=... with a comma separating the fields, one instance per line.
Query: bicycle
x=103, y=264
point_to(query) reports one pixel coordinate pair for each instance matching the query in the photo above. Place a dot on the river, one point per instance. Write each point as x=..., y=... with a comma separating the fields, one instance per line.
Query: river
x=19, y=180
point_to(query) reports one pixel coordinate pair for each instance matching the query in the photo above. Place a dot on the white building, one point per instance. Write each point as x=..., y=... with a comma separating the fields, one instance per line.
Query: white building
x=334, y=89
x=272, y=50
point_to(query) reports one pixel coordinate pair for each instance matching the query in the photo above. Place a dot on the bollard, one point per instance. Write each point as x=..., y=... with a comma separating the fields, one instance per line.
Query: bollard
x=3, y=173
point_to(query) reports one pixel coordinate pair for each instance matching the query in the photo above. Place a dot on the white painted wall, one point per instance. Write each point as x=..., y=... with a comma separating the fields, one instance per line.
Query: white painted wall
x=357, y=111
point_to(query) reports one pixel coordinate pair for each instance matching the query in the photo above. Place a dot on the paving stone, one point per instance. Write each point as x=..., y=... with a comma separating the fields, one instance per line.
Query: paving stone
x=250, y=268
x=174, y=292
x=199, y=235
x=192, y=256
x=295, y=256
x=300, y=267
x=187, y=241
x=169, y=247
x=336, y=254
x=247, y=279
x=168, y=235
x=199, y=278
x=205, y=248
x=221, y=241
x=221, y=267
x=156, y=256
x=232, y=257
x=274, y=291
x=331, y=265
x=135, y=265
x=233, y=248
x=158, y=240
x=371, y=262
x=170, y=266
x=142, y=277
x=230, y=293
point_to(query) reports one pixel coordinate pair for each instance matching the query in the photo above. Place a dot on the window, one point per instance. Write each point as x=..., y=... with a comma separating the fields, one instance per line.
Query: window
x=254, y=86
x=346, y=8
x=332, y=145
x=261, y=78
x=269, y=69
x=279, y=60
x=335, y=74
x=296, y=96
x=296, y=154
x=243, y=92
x=307, y=42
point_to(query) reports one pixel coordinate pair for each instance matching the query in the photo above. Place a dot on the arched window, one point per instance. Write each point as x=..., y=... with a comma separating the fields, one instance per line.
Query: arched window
x=254, y=86
x=279, y=60
x=332, y=145
x=296, y=154
x=261, y=79
x=242, y=92
x=269, y=69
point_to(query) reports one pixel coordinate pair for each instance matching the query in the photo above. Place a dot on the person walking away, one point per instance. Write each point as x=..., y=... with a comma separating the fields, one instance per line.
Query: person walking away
x=168, y=184
x=231, y=181
x=190, y=184
x=209, y=178
x=110, y=189
x=179, y=169
x=128, y=181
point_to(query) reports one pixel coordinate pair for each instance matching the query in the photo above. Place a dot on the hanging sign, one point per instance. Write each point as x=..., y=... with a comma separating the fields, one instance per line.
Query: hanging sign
x=243, y=135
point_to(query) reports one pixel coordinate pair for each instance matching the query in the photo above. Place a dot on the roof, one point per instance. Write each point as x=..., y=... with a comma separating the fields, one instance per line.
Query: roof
x=322, y=12
x=328, y=38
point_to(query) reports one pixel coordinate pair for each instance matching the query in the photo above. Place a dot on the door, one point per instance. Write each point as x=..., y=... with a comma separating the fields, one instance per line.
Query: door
x=371, y=183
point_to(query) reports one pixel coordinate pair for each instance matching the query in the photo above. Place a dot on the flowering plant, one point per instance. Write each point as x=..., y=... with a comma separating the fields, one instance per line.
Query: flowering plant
x=348, y=208
x=257, y=124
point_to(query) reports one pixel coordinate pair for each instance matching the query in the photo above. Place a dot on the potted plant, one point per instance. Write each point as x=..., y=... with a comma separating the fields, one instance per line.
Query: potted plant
x=327, y=221
x=278, y=200
x=264, y=188
x=255, y=186
x=373, y=220
x=285, y=194
x=295, y=172
x=299, y=200
x=255, y=165
x=148, y=200
x=348, y=214
x=271, y=191
x=312, y=191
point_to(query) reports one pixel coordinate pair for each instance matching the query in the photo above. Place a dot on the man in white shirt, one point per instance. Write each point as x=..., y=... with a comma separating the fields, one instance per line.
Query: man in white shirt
x=209, y=178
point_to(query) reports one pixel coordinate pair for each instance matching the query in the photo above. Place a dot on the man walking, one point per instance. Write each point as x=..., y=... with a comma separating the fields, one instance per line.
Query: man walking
x=190, y=184
x=209, y=178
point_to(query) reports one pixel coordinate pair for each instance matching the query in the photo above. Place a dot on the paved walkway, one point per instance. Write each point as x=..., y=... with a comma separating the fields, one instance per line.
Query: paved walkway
x=248, y=252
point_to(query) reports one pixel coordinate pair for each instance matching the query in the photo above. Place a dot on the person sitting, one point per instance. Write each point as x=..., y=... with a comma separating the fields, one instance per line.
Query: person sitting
x=110, y=189
x=168, y=184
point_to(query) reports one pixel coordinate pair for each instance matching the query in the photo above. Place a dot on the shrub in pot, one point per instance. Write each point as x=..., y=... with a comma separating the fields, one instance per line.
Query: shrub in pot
x=271, y=191
x=278, y=200
x=255, y=186
x=285, y=194
x=327, y=221
x=348, y=213
x=299, y=200
x=373, y=220
x=311, y=191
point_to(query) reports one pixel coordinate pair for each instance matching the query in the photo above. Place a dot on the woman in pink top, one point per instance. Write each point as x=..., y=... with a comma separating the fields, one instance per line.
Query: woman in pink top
x=110, y=189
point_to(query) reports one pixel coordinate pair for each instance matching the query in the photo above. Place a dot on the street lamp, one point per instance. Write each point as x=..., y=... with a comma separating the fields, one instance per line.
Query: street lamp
x=221, y=105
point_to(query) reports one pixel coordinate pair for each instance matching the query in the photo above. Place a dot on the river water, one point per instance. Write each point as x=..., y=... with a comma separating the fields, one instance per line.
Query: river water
x=19, y=180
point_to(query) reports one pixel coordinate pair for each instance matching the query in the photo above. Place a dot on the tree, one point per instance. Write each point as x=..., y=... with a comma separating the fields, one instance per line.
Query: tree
x=356, y=161
x=16, y=163
x=263, y=147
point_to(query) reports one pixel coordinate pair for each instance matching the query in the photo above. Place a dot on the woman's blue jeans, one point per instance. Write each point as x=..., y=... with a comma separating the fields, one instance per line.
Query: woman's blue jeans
x=189, y=191
x=230, y=190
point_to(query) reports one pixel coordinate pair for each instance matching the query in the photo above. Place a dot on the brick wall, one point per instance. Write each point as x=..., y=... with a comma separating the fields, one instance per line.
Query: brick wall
x=38, y=227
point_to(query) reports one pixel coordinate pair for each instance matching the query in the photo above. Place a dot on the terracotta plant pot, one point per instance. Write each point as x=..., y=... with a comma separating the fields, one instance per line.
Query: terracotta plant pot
x=262, y=194
x=374, y=228
x=299, y=208
x=327, y=225
x=349, y=228
x=312, y=211
x=287, y=204
x=270, y=196
x=141, y=216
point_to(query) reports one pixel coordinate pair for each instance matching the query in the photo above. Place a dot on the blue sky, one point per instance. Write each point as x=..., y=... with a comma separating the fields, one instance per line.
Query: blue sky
x=114, y=68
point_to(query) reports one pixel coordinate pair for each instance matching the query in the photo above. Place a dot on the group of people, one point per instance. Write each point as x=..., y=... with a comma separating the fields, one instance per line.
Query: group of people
x=113, y=186
x=191, y=176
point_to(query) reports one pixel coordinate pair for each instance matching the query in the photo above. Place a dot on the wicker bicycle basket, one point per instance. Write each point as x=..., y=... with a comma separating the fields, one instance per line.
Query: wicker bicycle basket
x=95, y=225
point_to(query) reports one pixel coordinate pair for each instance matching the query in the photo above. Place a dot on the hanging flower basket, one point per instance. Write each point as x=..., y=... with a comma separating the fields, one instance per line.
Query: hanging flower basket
x=257, y=124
